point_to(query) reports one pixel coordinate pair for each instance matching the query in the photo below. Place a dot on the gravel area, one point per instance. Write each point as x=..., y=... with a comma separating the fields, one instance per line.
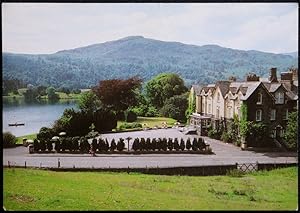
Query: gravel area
x=225, y=154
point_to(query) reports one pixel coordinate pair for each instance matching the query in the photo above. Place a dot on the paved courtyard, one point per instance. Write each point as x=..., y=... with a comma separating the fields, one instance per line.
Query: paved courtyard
x=225, y=154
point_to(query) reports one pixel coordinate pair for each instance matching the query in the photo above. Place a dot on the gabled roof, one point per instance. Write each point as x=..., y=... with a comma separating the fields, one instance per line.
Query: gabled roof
x=197, y=89
x=224, y=86
x=273, y=87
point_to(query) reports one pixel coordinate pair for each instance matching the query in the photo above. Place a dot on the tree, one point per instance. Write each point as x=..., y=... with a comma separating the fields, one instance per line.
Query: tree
x=89, y=102
x=9, y=140
x=31, y=94
x=118, y=94
x=175, y=107
x=164, y=86
x=291, y=134
x=51, y=94
x=45, y=133
x=191, y=105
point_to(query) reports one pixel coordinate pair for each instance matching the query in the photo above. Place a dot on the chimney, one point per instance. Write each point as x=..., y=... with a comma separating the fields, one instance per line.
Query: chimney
x=252, y=77
x=284, y=76
x=295, y=74
x=273, y=75
x=232, y=78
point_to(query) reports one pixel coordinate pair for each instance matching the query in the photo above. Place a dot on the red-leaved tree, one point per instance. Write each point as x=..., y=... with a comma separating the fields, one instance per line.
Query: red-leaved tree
x=118, y=94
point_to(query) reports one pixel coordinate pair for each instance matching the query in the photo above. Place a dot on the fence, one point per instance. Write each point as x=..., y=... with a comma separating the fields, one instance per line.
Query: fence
x=191, y=171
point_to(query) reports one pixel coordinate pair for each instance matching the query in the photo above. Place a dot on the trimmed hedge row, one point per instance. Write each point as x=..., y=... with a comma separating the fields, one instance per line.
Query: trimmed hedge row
x=77, y=144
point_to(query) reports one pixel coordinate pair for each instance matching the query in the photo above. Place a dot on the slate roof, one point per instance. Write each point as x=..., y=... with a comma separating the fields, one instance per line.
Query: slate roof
x=197, y=89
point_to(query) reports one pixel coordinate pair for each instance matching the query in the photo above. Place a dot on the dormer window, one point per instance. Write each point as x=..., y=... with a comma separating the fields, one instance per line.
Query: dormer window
x=259, y=98
x=279, y=96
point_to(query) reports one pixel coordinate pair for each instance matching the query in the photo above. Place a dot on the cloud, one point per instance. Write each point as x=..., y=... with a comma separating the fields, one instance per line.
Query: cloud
x=47, y=28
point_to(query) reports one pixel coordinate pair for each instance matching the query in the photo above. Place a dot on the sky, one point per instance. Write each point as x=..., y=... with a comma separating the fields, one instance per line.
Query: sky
x=37, y=28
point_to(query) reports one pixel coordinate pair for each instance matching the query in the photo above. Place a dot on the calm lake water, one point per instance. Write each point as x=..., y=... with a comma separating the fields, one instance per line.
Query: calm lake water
x=34, y=115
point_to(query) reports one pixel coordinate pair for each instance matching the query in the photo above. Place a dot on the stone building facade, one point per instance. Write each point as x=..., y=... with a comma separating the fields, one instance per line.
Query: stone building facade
x=268, y=101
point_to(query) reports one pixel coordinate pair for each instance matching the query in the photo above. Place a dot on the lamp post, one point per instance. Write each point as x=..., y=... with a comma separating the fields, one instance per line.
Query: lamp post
x=128, y=139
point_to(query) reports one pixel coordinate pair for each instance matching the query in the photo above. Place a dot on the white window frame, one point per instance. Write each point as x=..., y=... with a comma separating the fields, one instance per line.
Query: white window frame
x=273, y=114
x=282, y=131
x=279, y=96
x=260, y=115
x=259, y=98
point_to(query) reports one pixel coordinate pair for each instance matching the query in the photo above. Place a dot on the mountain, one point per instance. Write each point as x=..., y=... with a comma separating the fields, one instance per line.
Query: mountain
x=135, y=55
x=293, y=54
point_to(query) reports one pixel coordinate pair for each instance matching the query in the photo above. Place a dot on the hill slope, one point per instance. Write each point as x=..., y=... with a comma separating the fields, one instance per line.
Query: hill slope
x=136, y=55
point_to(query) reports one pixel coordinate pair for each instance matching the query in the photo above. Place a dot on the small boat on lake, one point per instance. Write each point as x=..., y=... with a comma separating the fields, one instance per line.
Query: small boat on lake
x=17, y=124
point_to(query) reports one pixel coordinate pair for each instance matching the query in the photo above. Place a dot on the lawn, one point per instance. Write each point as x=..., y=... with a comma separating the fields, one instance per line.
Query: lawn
x=20, y=139
x=151, y=121
x=33, y=189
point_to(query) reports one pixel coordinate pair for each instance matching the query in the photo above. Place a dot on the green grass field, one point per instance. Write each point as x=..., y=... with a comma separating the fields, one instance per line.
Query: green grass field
x=20, y=139
x=151, y=121
x=30, y=189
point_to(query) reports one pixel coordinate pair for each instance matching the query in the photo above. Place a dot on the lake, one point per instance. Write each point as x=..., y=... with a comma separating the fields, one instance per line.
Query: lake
x=34, y=115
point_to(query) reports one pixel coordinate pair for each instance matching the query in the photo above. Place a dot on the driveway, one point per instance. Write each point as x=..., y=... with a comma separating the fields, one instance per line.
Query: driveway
x=225, y=154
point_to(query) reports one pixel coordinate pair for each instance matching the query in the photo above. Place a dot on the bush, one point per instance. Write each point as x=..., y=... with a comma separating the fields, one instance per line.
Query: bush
x=182, y=146
x=131, y=116
x=49, y=145
x=148, y=144
x=170, y=144
x=36, y=145
x=142, y=144
x=130, y=125
x=63, y=144
x=188, y=144
x=201, y=143
x=45, y=134
x=164, y=144
x=75, y=144
x=153, y=144
x=106, y=145
x=94, y=144
x=113, y=145
x=84, y=145
x=195, y=145
x=176, y=144
x=136, y=144
x=9, y=140
x=121, y=144
x=226, y=137
x=69, y=144
x=43, y=146
x=152, y=112
x=57, y=145
x=101, y=145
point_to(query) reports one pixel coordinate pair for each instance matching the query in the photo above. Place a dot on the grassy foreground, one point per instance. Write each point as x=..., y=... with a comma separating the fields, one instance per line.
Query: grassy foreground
x=30, y=189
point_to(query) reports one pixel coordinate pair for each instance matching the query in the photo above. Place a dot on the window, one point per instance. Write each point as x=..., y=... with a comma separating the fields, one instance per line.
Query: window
x=218, y=113
x=258, y=115
x=273, y=133
x=286, y=114
x=209, y=108
x=259, y=98
x=282, y=132
x=273, y=114
x=279, y=96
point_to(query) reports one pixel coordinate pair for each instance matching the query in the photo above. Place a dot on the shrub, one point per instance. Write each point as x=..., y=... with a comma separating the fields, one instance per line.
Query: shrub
x=148, y=144
x=57, y=145
x=84, y=145
x=131, y=116
x=153, y=144
x=75, y=143
x=159, y=144
x=226, y=137
x=121, y=144
x=9, y=140
x=176, y=144
x=63, y=144
x=101, y=145
x=42, y=146
x=188, y=144
x=49, y=145
x=36, y=145
x=94, y=144
x=195, y=145
x=135, y=145
x=130, y=125
x=142, y=144
x=170, y=144
x=164, y=144
x=113, y=145
x=235, y=173
x=45, y=134
x=182, y=146
x=201, y=143
x=106, y=145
